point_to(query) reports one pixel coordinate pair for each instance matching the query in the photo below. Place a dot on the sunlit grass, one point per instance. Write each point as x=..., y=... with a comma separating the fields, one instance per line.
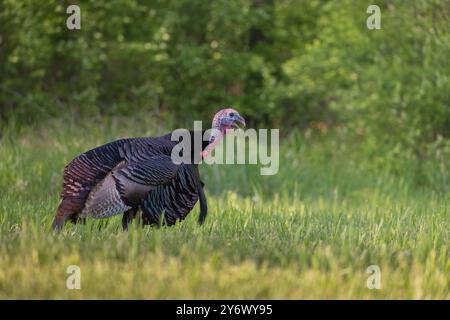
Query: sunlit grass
x=309, y=232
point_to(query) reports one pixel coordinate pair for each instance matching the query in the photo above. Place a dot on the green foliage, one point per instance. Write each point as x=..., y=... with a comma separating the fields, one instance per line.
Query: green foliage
x=284, y=63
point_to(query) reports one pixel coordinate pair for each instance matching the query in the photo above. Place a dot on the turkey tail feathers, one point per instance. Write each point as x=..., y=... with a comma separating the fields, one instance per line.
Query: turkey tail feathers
x=203, y=204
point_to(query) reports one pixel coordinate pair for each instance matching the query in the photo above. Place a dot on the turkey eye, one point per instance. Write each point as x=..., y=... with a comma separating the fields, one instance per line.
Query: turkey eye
x=232, y=114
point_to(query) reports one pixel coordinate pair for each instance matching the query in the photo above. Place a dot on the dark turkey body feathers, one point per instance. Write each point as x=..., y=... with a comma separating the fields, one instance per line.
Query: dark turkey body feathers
x=173, y=201
x=127, y=175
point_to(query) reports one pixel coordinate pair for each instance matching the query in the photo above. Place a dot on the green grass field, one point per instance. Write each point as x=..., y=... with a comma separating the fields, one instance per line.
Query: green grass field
x=309, y=232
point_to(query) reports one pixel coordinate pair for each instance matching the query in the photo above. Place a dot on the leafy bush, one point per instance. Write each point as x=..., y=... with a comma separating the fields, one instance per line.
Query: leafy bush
x=287, y=64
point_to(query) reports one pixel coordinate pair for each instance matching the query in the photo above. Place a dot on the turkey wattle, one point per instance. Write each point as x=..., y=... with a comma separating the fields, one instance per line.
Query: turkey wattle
x=137, y=173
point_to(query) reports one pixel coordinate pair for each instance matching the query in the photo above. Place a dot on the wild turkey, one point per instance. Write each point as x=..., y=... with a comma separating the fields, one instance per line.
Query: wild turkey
x=138, y=173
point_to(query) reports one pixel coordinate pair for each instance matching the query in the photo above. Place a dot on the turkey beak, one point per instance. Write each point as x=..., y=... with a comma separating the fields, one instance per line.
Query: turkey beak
x=239, y=123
